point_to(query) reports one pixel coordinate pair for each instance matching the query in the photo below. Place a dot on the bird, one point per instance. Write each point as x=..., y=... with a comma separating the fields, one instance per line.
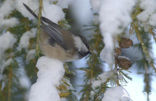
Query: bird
x=58, y=43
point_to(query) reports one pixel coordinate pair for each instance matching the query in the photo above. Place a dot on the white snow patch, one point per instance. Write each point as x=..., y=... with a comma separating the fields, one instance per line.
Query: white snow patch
x=149, y=12
x=152, y=20
x=50, y=10
x=5, y=64
x=49, y=75
x=6, y=8
x=24, y=40
x=53, y=12
x=30, y=55
x=102, y=78
x=9, y=22
x=116, y=94
x=96, y=5
x=7, y=41
x=121, y=57
x=64, y=3
x=23, y=78
x=81, y=10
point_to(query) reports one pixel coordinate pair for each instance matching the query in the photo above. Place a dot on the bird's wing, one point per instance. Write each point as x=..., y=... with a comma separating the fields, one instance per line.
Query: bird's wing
x=54, y=33
x=46, y=20
x=52, y=29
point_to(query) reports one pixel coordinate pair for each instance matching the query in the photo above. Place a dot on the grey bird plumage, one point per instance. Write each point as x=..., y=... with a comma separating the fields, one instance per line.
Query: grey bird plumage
x=55, y=42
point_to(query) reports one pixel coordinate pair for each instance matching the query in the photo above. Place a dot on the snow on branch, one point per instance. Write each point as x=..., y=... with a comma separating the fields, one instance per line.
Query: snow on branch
x=116, y=94
x=148, y=15
x=53, y=12
x=50, y=73
x=6, y=8
x=9, y=41
x=114, y=17
x=24, y=40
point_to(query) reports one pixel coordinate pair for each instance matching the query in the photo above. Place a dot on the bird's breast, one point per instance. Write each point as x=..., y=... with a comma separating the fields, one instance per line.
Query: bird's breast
x=56, y=51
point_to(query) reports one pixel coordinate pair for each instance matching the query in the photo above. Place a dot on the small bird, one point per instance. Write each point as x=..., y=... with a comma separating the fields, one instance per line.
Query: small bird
x=56, y=42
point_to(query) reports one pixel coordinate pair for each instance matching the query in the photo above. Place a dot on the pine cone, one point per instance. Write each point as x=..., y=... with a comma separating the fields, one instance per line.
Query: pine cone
x=125, y=43
x=124, y=62
x=117, y=51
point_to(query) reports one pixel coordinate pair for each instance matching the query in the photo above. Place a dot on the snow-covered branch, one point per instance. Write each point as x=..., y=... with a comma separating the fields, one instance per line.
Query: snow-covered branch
x=114, y=17
x=50, y=73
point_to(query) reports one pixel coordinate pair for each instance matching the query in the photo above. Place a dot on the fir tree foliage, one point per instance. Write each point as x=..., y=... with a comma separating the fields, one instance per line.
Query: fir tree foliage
x=10, y=84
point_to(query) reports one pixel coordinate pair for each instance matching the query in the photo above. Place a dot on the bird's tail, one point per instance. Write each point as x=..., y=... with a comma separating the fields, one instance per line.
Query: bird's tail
x=30, y=10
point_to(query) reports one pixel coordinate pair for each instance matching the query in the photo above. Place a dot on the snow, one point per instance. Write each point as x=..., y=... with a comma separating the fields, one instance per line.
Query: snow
x=124, y=57
x=49, y=75
x=114, y=16
x=24, y=80
x=56, y=14
x=152, y=20
x=5, y=64
x=53, y=12
x=9, y=41
x=96, y=5
x=5, y=10
x=61, y=3
x=24, y=40
x=81, y=10
x=116, y=94
x=30, y=55
x=64, y=3
x=50, y=10
x=102, y=78
x=149, y=12
x=9, y=22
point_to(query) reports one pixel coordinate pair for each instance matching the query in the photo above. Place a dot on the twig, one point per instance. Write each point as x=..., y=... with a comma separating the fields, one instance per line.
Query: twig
x=9, y=83
x=38, y=28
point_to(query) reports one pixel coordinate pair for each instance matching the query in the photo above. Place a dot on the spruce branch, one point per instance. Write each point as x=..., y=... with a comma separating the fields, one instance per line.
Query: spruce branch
x=93, y=68
x=144, y=48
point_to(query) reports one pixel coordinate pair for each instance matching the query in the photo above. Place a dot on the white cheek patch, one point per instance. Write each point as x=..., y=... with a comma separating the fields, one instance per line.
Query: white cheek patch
x=79, y=44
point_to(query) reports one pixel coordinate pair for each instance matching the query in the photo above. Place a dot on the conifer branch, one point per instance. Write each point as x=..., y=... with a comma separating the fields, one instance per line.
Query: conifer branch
x=144, y=48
